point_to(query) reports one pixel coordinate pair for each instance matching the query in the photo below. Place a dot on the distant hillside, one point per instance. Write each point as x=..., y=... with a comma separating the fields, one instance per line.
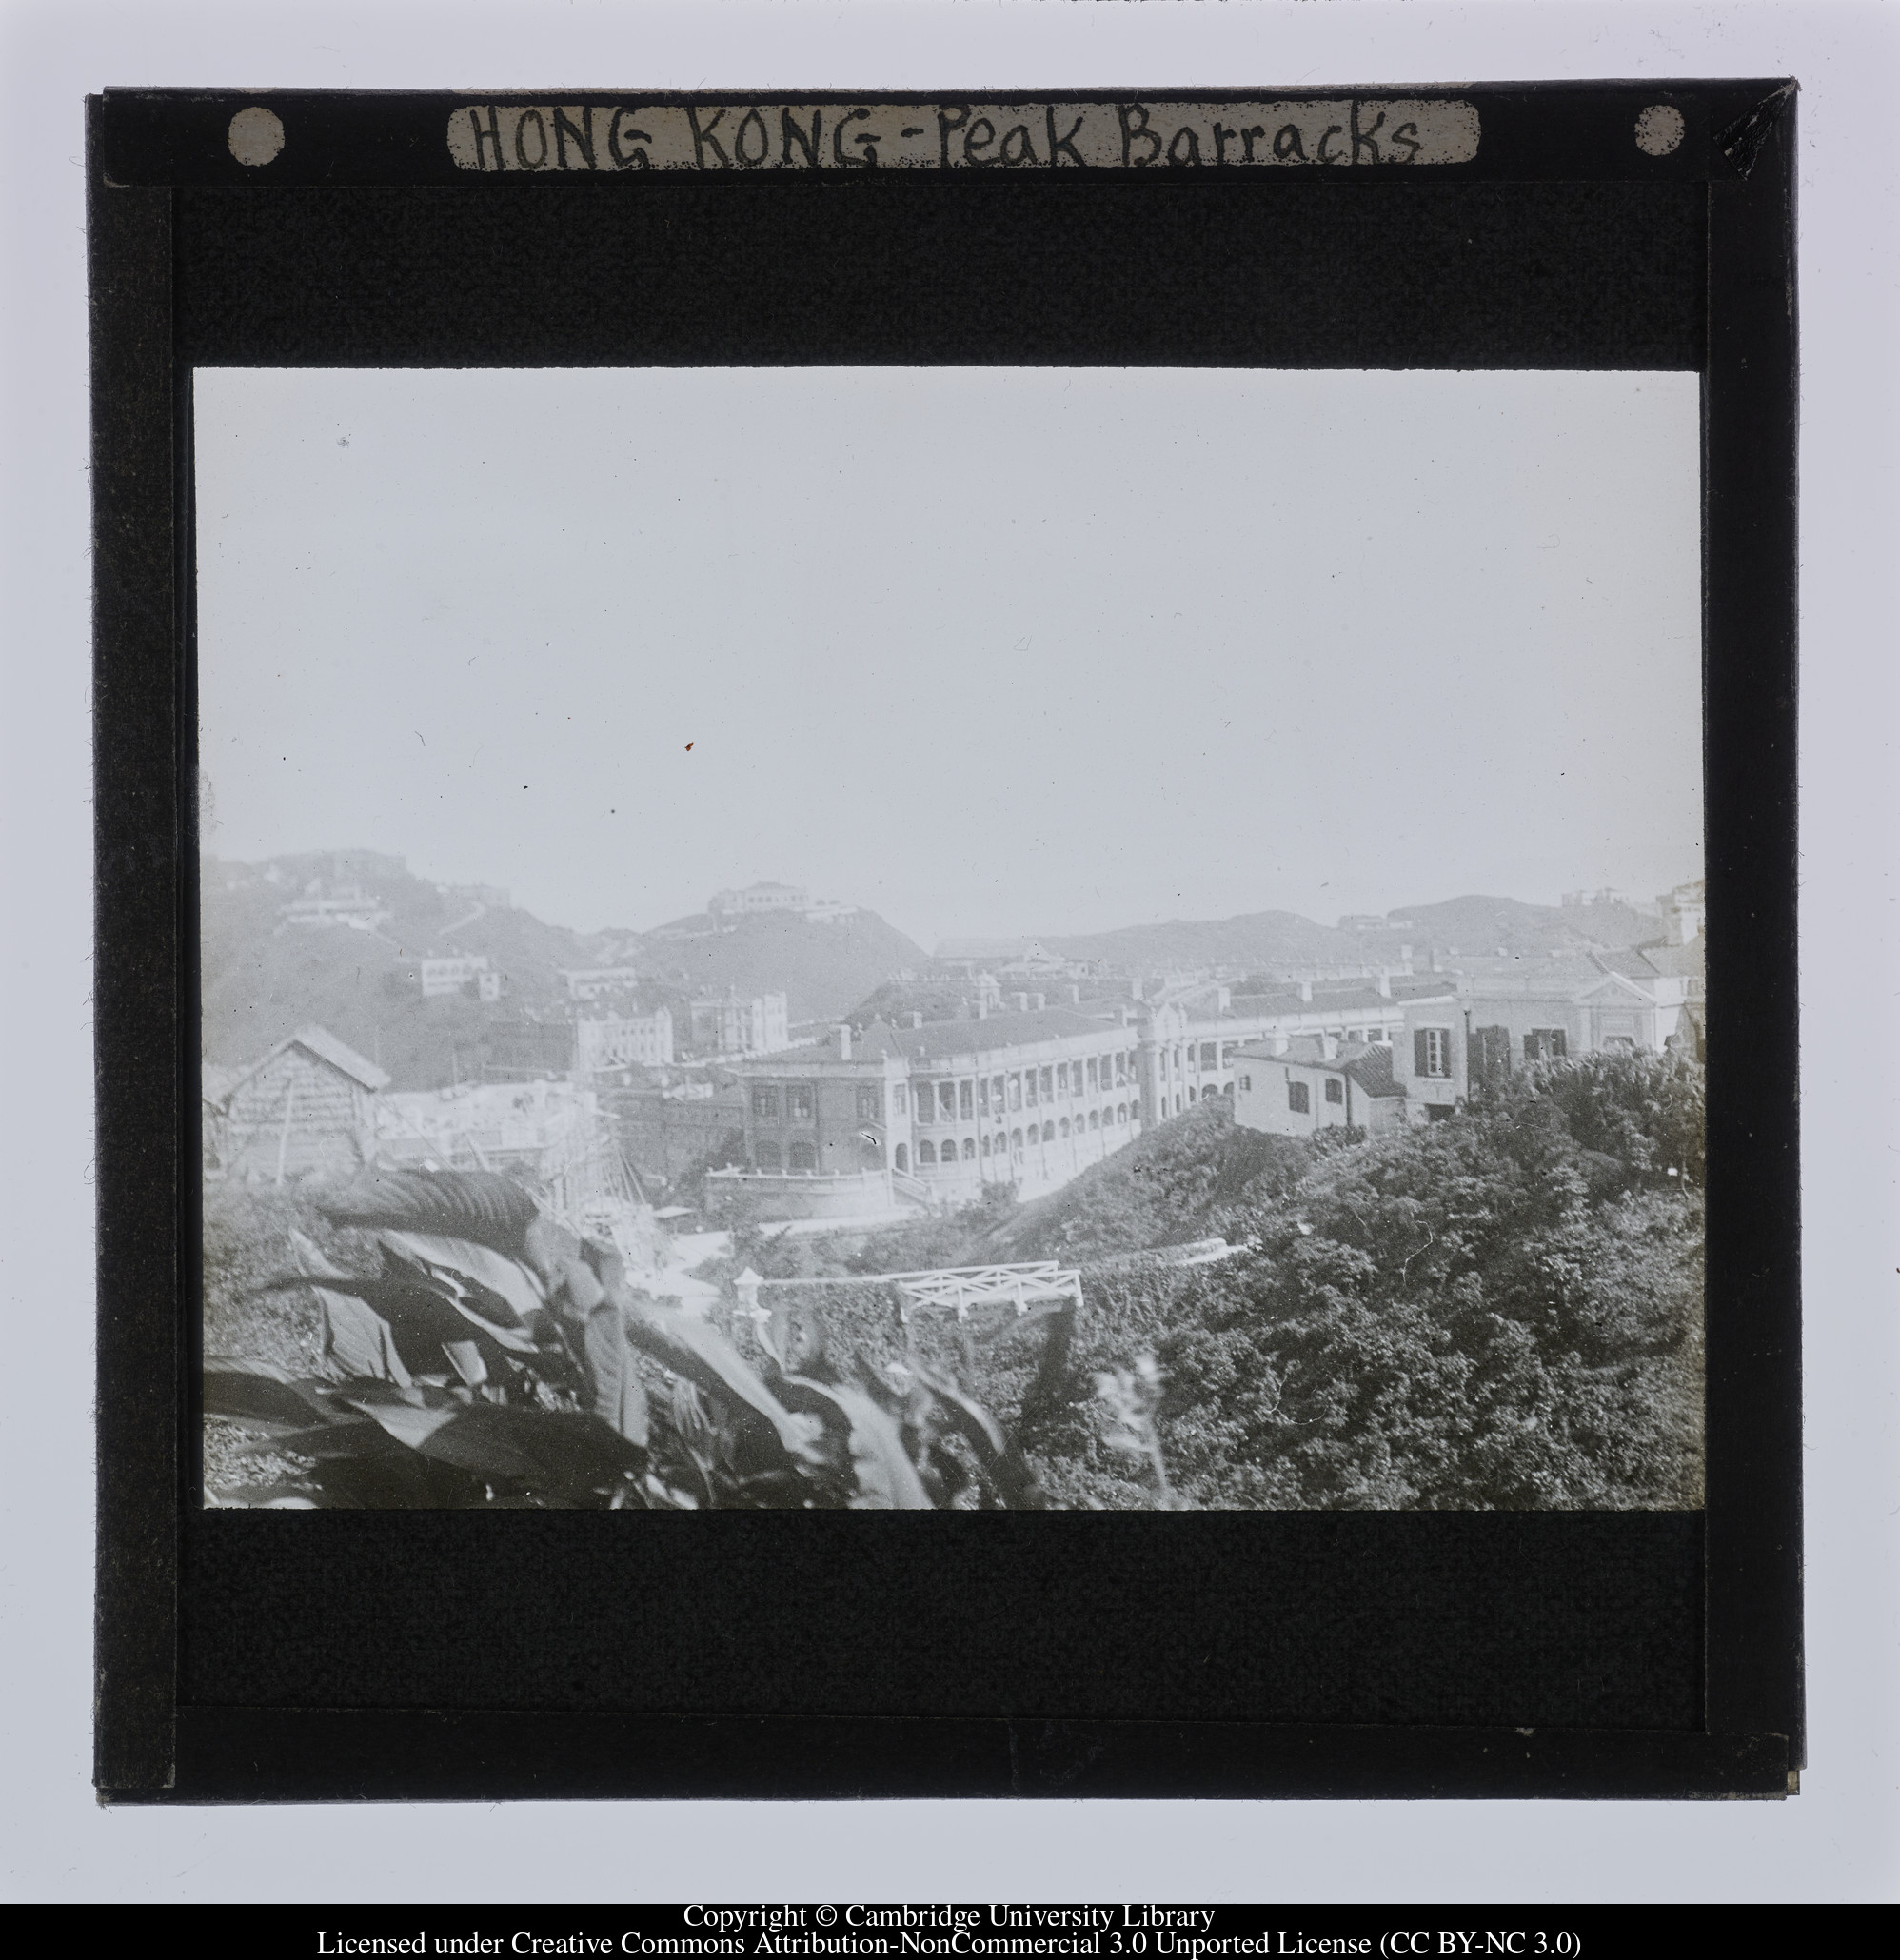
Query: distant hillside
x=1476, y=925
x=1269, y=940
x=824, y=971
x=259, y=983
x=1253, y=938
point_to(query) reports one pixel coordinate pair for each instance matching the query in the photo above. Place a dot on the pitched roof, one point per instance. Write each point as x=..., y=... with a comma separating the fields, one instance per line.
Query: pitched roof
x=1325, y=1001
x=1369, y=1067
x=1678, y=963
x=948, y=1038
x=325, y=1046
x=1371, y=1070
x=877, y=1041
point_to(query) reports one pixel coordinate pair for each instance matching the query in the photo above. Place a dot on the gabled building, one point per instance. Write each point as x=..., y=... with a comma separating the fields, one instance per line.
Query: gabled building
x=308, y=1108
x=1509, y=1014
x=1313, y=1083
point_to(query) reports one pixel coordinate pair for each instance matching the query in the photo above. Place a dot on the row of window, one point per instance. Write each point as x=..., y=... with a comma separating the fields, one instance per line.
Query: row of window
x=1063, y=1082
x=1432, y=1047
x=1300, y=1099
x=998, y=1145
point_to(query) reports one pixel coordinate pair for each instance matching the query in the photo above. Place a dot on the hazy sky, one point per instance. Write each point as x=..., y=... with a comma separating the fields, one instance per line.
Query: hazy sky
x=987, y=650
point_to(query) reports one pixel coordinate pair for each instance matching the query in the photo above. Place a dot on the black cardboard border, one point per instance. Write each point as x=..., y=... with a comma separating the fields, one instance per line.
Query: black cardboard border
x=150, y=1747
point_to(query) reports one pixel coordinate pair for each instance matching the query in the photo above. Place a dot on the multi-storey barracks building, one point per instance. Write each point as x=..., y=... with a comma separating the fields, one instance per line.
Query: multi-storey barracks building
x=935, y=1111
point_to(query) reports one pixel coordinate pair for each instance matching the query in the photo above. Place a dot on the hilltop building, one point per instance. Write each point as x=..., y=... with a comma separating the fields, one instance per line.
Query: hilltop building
x=347, y=905
x=454, y=976
x=769, y=898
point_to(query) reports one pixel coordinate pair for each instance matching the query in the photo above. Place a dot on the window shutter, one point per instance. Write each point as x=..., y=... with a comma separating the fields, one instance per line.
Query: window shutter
x=1559, y=1044
x=1421, y=1052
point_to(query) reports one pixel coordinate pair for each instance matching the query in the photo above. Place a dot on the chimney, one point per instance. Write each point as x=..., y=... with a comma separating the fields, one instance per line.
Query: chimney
x=1224, y=1000
x=1405, y=958
x=1021, y=1002
x=1134, y=989
x=1038, y=1002
x=983, y=1008
x=1385, y=983
x=1435, y=967
x=844, y=1041
x=916, y=1018
x=1075, y=997
x=1306, y=990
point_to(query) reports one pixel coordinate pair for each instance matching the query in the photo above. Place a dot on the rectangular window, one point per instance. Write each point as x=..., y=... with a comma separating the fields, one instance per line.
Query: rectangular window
x=1336, y=1090
x=1016, y=1092
x=997, y=1094
x=1121, y=1067
x=966, y=1100
x=899, y=1099
x=1297, y=1099
x=946, y=1100
x=765, y=1099
x=1048, y=1084
x=982, y=1095
x=1247, y=1082
x=797, y=1102
x=1209, y=1056
x=1029, y=1086
x=1091, y=1075
x=1432, y=1052
x=1063, y=1082
x=870, y=1104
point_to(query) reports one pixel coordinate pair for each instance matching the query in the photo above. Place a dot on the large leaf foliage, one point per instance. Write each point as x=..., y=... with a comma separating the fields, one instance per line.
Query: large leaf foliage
x=517, y=1367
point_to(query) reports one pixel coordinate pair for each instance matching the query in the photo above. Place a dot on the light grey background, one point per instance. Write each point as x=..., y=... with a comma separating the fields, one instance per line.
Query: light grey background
x=989, y=650
x=1837, y=1842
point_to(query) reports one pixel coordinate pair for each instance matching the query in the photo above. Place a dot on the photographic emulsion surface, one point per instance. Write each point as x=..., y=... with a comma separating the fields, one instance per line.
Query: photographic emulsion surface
x=1075, y=810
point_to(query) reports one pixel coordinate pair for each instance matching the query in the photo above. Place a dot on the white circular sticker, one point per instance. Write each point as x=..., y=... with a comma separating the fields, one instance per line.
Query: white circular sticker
x=256, y=136
x=1660, y=129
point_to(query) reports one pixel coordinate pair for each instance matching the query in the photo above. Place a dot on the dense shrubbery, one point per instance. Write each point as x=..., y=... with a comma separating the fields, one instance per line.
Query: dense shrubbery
x=1171, y=1185
x=1503, y=1311
x=1500, y=1312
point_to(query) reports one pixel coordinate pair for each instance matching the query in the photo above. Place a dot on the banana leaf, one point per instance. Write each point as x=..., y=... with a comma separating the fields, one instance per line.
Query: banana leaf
x=615, y=1390
x=686, y=1345
x=483, y=1205
x=357, y=1340
x=886, y=1478
x=504, y=1291
x=550, y=1452
x=262, y=1397
x=1009, y=1470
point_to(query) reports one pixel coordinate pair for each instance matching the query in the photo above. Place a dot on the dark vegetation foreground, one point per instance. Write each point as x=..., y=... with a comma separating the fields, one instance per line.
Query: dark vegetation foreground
x=1504, y=1311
